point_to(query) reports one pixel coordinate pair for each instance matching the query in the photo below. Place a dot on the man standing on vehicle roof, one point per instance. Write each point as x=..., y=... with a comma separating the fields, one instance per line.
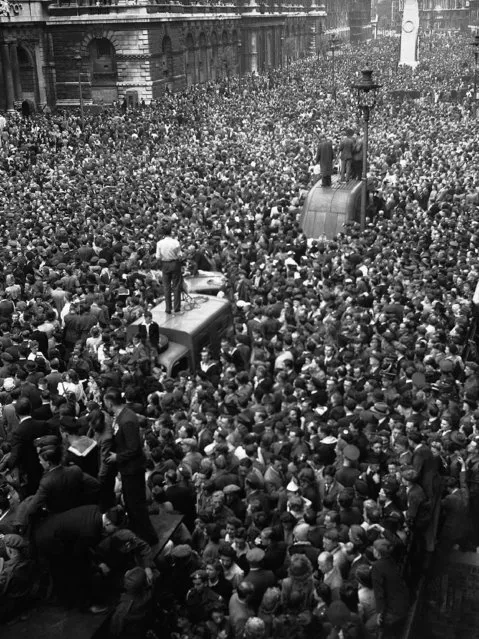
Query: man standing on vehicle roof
x=168, y=252
x=325, y=157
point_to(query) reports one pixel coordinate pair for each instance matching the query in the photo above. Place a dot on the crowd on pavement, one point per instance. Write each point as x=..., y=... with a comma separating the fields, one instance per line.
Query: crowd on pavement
x=320, y=452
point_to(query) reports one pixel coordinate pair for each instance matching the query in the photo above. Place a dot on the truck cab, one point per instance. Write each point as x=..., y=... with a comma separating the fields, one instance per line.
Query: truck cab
x=204, y=322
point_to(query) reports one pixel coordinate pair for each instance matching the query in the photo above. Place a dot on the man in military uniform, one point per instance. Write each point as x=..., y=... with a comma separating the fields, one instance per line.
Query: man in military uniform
x=201, y=598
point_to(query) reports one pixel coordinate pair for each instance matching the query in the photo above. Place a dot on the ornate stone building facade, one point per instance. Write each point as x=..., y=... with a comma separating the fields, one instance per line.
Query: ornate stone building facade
x=98, y=51
x=434, y=15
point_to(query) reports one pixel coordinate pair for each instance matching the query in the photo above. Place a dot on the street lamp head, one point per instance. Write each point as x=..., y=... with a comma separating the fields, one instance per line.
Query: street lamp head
x=367, y=90
x=334, y=43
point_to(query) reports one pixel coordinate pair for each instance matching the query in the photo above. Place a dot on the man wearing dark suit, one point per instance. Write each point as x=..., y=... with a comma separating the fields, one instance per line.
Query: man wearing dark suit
x=71, y=329
x=358, y=561
x=181, y=498
x=23, y=455
x=302, y=546
x=357, y=161
x=346, y=147
x=149, y=331
x=423, y=463
x=73, y=524
x=455, y=519
x=85, y=322
x=130, y=460
x=43, y=412
x=240, y=354
x=390, y=591
x=274, y=550
x=54, y=377
x=418, y=506
x=62, y=487
x=418, y=517
x=138, y=353
x=324, y=157
x=29, y=389
x=260, y=578
x=329, y=488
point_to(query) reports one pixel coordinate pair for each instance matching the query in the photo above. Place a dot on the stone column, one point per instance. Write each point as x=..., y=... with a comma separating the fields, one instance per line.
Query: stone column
x=2, y=90
x=7, y=76
x=17, y=85
x=39, y=72
x=253, y=52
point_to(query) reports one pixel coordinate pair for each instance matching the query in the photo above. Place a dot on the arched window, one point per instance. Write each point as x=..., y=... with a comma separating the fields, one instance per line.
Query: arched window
x=102, y=56
x=27, y=72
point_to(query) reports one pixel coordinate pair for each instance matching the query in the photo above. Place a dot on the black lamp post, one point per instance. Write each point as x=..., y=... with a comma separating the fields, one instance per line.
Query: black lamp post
x=239, y=45
x=319, y=41
x=282, y=45
x=226, y=72
x=78, y=60
x=475, y=44
x=334, y=46
x=367, y=93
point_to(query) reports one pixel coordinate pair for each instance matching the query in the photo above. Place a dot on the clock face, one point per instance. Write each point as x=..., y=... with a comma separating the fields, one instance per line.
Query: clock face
x=408, y=26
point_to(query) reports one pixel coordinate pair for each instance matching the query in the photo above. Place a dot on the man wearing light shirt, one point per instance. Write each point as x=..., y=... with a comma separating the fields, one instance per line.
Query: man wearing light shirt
x=168, y=252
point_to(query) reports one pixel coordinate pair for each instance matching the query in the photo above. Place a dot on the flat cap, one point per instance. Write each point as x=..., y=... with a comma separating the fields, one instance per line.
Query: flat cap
x=351, y=452
x=182, y=551
x=255, y=556
x=46, y=440
x=230, y=489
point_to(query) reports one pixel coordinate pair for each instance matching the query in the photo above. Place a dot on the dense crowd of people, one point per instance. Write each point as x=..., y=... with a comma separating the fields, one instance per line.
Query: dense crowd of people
x=329, y=444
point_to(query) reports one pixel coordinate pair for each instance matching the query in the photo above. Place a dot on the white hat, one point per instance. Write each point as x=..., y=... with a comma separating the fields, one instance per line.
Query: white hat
x=209, y=450
x=8, y=384
x=292, y=486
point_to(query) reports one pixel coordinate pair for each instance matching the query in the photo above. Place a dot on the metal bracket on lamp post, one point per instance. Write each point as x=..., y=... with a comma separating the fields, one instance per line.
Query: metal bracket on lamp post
x=239, y=44
x=367, y=92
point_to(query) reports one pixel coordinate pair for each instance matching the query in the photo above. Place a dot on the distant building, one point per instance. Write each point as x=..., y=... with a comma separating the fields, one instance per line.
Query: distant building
x=360, y=20
x=434, y=15
x=111, y=50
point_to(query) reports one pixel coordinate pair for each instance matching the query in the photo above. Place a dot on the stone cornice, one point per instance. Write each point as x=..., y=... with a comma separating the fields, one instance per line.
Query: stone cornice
x=151, y=18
